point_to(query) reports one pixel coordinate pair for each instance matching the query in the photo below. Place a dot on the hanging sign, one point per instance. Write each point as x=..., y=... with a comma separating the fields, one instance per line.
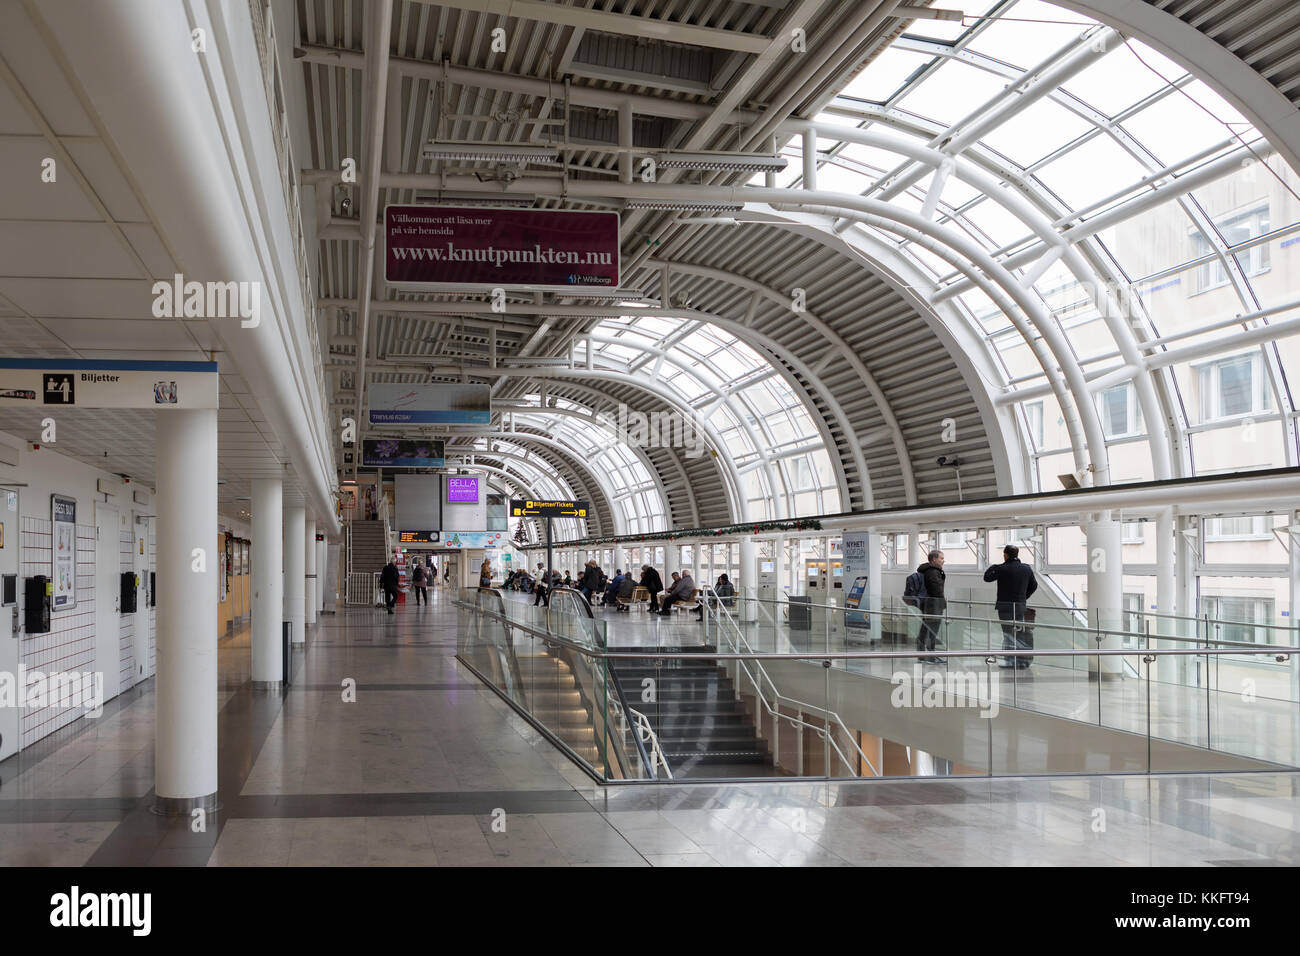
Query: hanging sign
x=49, y=384
x=485, y=248
x=528, y=508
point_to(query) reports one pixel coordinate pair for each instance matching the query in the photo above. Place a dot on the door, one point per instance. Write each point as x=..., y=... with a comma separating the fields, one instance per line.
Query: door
x=140, y=633
x=108, y=596
x=9, y=634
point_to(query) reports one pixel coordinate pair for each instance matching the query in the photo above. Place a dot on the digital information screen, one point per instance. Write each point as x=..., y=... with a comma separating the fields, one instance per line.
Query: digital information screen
x=418, y=537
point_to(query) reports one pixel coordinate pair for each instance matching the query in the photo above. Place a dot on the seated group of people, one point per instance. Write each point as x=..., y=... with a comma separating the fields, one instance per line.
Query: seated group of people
x=603, y=591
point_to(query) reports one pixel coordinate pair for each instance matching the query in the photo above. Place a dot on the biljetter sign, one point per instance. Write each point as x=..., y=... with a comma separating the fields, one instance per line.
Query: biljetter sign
x=485, y=248
x=49, y=384
x=528, y=508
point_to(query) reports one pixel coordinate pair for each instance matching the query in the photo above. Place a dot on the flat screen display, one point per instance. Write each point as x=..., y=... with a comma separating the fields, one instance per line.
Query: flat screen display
x=462, y=490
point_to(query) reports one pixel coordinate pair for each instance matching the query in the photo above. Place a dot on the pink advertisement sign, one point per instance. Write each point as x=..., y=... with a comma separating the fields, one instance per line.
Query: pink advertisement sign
x=538, y=248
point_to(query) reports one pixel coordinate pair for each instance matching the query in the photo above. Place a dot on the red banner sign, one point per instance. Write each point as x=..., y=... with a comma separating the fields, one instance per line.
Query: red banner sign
x=490, y=248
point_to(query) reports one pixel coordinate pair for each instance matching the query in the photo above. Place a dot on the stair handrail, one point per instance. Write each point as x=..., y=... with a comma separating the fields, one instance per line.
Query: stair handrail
x=774, y=708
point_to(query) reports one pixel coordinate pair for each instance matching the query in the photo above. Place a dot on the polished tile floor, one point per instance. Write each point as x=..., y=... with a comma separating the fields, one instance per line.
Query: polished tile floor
x=427, y=767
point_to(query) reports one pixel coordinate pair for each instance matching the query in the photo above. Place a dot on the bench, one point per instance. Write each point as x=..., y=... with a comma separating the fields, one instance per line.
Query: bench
x=639, y=596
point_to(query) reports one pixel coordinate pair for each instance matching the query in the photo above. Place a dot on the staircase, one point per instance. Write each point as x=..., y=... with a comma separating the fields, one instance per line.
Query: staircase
x=704, y=730
x=551, y=694
x=369, y=551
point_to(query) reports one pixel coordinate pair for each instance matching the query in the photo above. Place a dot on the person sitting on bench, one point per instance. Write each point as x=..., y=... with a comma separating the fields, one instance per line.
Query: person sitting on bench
x=722, y=590
x=682, y=590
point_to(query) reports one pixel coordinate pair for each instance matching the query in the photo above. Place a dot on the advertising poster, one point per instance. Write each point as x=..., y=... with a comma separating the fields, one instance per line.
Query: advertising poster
x=474, y=539
x=490, y=248
x=856, y=567
x=402, y=453
x=462, y=490
x=63, y=564
x=442, y=404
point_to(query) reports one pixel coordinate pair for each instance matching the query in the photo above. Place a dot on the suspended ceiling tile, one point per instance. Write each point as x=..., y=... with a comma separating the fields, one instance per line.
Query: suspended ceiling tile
x=35, y=249
x=81, y=298
x=105, y=178
x=149, y=247
x=44, y=82
x=163, y=336
x=24, y=195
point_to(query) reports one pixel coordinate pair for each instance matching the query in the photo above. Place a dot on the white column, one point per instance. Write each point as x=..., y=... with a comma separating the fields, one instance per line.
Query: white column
x=779, y=548
x=747, y=583
x=620, y=558
x=309, y=584
x=322, y=574
x=1185, y=547
x=268, y=581
x=295, y=553
x=185, y=740
x=1166, y=588
x=874, y=585
x=1105, y=589
x=1293, y=535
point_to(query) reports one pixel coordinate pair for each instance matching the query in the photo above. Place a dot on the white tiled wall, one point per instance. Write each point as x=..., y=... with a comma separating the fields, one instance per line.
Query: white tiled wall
x=70, y=643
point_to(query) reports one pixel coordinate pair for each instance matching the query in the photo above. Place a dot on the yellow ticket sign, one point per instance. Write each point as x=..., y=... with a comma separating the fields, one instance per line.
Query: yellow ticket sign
x=528, y=508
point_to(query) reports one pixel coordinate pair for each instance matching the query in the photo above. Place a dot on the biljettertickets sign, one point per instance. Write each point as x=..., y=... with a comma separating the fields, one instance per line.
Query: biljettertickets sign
x=488, y=248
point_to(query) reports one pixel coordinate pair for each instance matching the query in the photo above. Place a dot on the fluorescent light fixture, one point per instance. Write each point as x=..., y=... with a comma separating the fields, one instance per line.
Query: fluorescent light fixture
x=490, y=153
x=505, y=200
x=927, y=13
x=682, y=205
x=738, y=162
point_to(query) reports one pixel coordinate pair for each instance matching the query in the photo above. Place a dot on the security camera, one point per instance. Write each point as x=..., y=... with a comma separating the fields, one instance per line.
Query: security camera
x=950, y=462
x=345, y=205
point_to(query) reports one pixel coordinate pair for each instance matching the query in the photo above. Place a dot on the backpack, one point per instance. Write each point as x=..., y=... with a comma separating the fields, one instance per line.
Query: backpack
x=914, y=589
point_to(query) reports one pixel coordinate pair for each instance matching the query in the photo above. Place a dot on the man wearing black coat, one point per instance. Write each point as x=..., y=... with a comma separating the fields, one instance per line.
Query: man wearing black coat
x=1016, y=582
x=652, y=582
x=932, y=605
x=388, y=579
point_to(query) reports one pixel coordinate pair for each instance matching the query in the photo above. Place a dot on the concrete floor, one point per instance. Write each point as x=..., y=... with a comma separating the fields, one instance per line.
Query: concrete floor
x=428, y=767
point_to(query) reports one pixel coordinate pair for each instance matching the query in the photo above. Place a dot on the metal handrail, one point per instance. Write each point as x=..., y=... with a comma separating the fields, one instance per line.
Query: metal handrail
x=657, y=653
x=908, y=610
x=775, y=710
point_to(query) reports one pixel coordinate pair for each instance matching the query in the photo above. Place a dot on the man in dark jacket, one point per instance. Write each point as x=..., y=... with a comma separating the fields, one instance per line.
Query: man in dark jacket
x=1016, y=582
x=652, y=582
x=388, y=581
x=932, y=605
x=590, y=585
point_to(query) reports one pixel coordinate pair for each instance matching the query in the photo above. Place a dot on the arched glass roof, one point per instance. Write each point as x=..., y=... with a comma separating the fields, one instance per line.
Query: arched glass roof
x=1058, y=147
x=727, y=395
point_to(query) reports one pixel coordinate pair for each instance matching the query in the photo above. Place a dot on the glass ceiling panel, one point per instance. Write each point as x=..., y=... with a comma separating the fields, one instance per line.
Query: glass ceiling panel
x=1013, y=40
x=1091, y=172
x=1036, y=131
x=951, y=92
x=885, y=74
x=1116, y=82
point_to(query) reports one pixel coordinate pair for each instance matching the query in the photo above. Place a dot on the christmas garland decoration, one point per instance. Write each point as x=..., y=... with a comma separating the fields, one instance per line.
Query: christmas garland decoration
x=749, y=527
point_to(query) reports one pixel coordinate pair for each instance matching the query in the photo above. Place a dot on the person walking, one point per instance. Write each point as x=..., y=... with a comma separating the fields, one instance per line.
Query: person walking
x=932, y=605
x=590, y=584
x=653, y=584
x=388, y=579
x=417, y=582
x=541, y=588
x=1016, y=583
x=485, y=574
x=432, y=576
